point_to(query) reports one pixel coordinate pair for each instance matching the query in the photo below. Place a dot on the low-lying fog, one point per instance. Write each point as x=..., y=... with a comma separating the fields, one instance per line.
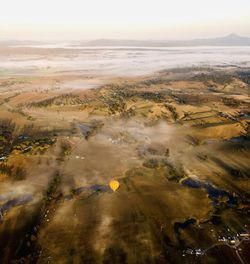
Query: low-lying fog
x=117, y=60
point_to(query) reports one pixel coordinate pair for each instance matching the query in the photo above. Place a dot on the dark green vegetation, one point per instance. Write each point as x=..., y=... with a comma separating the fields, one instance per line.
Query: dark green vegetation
x=61, y=100
x=28, y=139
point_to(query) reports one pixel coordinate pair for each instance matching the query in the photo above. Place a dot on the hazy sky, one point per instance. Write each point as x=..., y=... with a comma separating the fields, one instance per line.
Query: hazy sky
x=137, y=19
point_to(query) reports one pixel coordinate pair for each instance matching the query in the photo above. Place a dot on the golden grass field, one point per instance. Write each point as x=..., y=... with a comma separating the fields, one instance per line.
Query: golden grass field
x=177, y=141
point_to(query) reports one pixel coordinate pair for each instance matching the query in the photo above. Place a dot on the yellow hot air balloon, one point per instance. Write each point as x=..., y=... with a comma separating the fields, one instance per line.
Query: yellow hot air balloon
x=114, y=185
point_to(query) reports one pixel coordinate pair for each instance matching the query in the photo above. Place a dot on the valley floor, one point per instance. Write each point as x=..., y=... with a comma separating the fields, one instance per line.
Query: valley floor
x=177, y=141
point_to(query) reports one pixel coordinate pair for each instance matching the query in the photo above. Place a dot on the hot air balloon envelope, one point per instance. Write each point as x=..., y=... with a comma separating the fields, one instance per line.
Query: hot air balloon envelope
x=114, y=185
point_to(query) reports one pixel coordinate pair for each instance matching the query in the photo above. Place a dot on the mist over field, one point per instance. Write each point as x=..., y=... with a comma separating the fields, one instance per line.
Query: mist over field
x=124, y=132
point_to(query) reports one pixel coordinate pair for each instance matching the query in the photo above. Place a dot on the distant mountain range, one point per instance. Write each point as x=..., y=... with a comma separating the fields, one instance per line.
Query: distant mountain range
x=230, y=40
x=13, y=42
